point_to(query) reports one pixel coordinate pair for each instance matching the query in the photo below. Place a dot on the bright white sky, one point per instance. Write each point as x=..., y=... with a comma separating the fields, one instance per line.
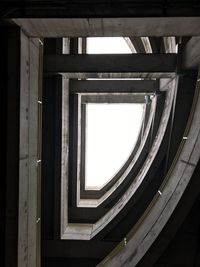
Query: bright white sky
x=111, y=133
x=107, y=45
x=111, y=129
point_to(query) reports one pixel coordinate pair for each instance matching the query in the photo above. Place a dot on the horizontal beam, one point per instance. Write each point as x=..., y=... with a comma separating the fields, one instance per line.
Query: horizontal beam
x=84, y=27
x=111, y=98
x=118, y=75
x=98, y=8
x=111, y=86
x=110, y=63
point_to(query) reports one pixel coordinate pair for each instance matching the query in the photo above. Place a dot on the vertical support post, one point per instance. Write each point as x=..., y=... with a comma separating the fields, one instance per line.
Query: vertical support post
x=29, y=150
x=39, y=151
x=23, y=153
x=64, y=148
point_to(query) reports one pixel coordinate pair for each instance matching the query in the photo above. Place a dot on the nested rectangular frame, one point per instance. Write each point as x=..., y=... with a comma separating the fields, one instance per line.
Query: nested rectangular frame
x=99, y=98
x=102, y=91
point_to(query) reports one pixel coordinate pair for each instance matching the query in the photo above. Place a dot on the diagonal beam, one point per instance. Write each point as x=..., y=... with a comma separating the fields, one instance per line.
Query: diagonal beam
x=191, y=54
x=138, y=44
x=120, y=86
x=141, y=44
x=110, y=63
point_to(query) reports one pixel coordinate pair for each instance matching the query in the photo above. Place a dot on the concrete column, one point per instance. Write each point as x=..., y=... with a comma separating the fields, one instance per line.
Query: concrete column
x=29, y=165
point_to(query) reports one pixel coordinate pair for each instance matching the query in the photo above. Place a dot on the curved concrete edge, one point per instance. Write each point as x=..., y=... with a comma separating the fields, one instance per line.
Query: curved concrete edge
x=93, y=203
x=78, y=231
x=165, y=202
x=110, y=215
x=170, y=47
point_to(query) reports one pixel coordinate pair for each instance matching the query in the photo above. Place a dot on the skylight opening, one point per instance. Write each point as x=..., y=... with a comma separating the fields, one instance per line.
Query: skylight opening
x=112, y=131
x=107, y=45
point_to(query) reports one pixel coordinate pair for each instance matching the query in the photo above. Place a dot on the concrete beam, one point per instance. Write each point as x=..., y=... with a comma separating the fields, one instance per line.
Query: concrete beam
x=138, y=44
x=118, y=75
x=128, y=86
x=191, y=54
x=110, y=63
x=29, y=166
x=155, y=44
x=100, y=8
x=127, y=27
